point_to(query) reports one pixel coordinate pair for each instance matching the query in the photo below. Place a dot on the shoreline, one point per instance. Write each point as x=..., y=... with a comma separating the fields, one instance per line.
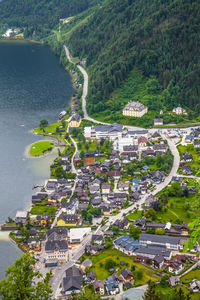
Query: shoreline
x=27, y=150
x=20, y=39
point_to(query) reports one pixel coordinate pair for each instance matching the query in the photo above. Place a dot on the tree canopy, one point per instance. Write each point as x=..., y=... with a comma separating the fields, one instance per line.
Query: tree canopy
x=23, y=282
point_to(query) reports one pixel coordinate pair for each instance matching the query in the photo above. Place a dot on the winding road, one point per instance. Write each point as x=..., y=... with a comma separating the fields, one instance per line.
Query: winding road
x=56, y=280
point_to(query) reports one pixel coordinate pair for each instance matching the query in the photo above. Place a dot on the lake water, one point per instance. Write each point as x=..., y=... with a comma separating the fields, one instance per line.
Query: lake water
x=33, y=86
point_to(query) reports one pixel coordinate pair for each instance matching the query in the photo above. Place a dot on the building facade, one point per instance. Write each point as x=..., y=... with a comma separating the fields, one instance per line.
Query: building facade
x=135, y=109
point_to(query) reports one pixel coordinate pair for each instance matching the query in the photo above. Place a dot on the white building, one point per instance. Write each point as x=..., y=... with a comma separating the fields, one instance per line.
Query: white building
x=119, y=143
x=56, y=250
x=78, y=234
x=179, y=111
x=135, y=109
x=104, y=131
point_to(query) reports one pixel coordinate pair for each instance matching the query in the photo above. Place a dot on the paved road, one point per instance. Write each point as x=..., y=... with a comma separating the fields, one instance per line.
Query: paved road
x=85, y=88
x=56, y=280
x=188, y=176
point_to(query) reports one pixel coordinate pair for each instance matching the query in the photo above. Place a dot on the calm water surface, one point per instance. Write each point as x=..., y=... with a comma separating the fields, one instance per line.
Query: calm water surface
x=33, y=86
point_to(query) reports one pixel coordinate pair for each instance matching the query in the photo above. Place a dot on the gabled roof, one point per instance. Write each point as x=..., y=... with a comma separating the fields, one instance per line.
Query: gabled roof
x=126, y=272
x=56, y=245
x=67, y=218
x=75, y=117
x=56, y=233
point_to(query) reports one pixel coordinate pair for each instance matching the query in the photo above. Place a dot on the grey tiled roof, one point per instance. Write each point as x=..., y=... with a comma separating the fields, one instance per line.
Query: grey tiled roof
x=160, y=238
x=53, y=245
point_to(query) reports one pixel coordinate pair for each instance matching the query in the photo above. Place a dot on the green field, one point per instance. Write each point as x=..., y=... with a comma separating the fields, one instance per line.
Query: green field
x=40, y=210
x=41, y=147
x=166, y=291
x=51, y=128
x=134, y=216
x=99, y=261
x=184, y=209
x=194, y=274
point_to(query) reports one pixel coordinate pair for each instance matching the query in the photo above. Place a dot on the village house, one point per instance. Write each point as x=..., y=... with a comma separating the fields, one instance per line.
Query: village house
x=91, y=276
x=160, y=147
x=75, y=121
x=189, y=139
x=123, y=186
x=196, y=144
x=72, y=281
x=71, y=207
x=140, y=222
x=187, y=157
x=93, y=249
x=67, y=220
x=195, y=285
x=127, y=275
x=56, y=250
x=158, y=261
x=124, y=224
x=149, y=201
x=179, y=111
x=112, y=287
x=174, y=280
x=51, y=186
x=105, y=189
x=107, y=210
x=87, y=263
x=156, y=136
x=158, y=122
x=34, y=244
x=142, y=142
x=38, y=197
x=135, y=109
x=97, y=239
x=44, y=220
x=157, y=176
x=114, y=174
x=175, y=268
x=21, y=216
x=186, y=169
x=99, y=287
x=57, y=234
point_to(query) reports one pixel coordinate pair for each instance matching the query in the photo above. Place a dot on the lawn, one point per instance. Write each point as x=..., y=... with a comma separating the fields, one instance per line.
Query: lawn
x=184, y=209
x=134, y=216
x=166, y=291
x=51, y=128
x=92, y=146
x=40, y=210
x=195, y=164
x=99, y=261
x=41, y=147
x=190, y=276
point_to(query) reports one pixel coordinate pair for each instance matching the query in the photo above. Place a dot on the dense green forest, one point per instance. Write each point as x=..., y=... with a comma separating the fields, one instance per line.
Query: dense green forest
x=135, y=49
x=161, y=38
x=38, y=17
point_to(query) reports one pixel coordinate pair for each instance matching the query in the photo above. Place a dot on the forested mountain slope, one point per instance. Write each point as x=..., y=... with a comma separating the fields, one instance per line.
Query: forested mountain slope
x=39, y=16
x=161, y=38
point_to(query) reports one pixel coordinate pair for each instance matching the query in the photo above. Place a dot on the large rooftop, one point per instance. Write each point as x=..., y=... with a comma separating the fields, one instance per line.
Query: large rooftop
x=137, y=106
